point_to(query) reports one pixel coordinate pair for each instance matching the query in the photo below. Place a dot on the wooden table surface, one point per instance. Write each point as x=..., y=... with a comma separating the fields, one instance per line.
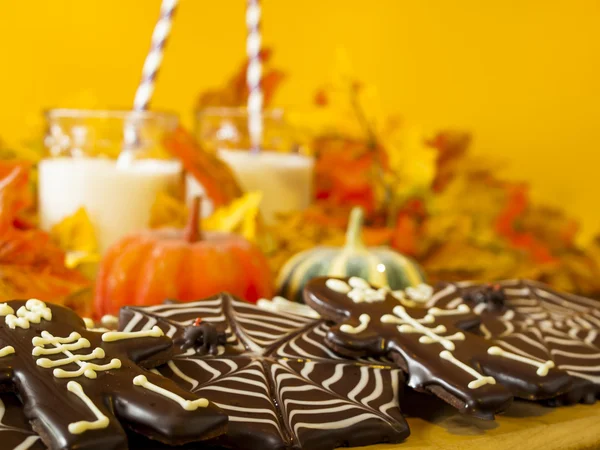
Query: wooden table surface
x=524, y=425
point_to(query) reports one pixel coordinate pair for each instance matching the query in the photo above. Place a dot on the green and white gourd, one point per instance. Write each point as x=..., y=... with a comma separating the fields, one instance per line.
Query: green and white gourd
x=381, y=266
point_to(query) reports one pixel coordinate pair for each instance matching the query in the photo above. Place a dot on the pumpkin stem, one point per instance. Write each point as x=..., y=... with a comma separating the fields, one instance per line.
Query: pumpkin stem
x=354, y=231
x=192, y=232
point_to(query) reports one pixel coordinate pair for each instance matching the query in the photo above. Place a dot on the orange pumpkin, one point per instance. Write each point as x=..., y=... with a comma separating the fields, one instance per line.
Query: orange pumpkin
x=187, y=265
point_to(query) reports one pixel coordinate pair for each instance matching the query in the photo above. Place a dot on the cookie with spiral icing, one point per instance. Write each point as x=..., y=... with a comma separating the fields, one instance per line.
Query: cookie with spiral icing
x=428, y=340
x=271, y=372
x=539, y=324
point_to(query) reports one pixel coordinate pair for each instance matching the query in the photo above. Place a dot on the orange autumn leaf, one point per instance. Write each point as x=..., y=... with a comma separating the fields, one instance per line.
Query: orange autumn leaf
x=507, y=226
x=31, y=265
x=212, y=173
x=345, y=172
x=235, y=91
x=14, y=193
x=377, y=236
x=452, y=146
x=405, y=236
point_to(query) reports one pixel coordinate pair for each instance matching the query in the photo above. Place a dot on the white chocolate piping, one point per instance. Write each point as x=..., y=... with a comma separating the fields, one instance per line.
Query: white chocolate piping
x=188, y=405
x=112, y=336
x=89, y=323
x=358, y=283
x=542, y=370
x=84, y=425
x=398, y=295
x=339, y=286
x=5, y=310
x=33, y=312
x=480, y=380
x=478, y=309
x=282, y=305
x=364, y=320
x=357, y=289
x=109, y=320
x=46, y=363
x=64, y=345
x=5, y=351
x=88, y=369
x=61, y=348
x=47, y=339
x=461, y=309
x=421, y=293
x=430, y=335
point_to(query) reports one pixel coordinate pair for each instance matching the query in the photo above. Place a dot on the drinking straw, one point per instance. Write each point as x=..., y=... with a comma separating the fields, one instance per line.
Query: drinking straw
x=145, y=89
x=254, y=75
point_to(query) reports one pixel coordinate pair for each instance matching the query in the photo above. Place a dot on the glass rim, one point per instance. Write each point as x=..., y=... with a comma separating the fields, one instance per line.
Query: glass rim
x=58, y=113
x=236, y=111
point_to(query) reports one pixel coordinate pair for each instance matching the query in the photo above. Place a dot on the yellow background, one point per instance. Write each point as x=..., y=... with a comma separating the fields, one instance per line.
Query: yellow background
x=523, y=75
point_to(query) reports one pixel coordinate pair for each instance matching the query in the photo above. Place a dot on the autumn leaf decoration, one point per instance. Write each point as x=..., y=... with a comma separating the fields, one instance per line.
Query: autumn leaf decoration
x=31, y=264
x=75, y=234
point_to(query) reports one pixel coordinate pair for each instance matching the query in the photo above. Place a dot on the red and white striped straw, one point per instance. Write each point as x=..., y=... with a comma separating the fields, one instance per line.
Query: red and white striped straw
x=145, y=89
x=254, y=75
x=162, y=29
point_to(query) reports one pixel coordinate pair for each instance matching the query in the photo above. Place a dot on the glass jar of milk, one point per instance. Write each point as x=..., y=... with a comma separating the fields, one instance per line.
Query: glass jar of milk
x=81, y=169
x=281, y=171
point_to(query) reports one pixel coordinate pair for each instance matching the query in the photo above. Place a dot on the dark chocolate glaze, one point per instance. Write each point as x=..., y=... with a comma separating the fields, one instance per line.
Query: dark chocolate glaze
x=542, y=323
x=15, y=430
x=422, y=361
x=281, y=386
x=50, y=407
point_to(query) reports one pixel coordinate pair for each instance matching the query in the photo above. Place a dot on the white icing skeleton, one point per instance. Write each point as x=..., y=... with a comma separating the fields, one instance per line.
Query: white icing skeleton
x=430, y=335
x=358, y=290
x=65, y=345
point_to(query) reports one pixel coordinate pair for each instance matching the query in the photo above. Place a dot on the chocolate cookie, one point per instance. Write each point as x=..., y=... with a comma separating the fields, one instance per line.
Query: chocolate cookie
x=540, y=325
x=281, y=386
x=428, y=341
x=75, y=383
x=15, y=431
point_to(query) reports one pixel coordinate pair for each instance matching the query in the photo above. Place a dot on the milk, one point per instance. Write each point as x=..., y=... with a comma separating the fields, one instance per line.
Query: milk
x=117, y=200
x=285, y=179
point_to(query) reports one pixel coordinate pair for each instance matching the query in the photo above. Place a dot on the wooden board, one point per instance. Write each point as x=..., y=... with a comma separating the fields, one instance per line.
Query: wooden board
x=524, y=425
